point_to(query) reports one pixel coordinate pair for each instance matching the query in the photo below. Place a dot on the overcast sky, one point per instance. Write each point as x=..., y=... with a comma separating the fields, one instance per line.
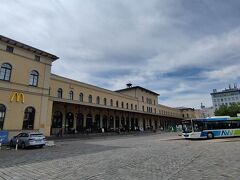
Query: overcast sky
x=181, y=49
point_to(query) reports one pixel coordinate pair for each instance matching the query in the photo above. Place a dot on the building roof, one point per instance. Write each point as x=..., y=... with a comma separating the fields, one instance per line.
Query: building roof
x=138, y=87
x=28, y=48
x=184, y=108
x=226, y=91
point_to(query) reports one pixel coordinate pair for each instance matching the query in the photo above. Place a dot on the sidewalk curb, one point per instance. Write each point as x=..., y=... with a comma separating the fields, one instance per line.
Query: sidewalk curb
x=103, y=136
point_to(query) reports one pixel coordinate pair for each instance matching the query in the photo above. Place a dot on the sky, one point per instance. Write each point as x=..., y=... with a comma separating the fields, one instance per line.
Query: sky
x=181, y=49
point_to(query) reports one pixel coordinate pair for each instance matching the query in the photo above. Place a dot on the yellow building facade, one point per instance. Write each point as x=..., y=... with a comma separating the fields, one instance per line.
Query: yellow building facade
x=32, y=98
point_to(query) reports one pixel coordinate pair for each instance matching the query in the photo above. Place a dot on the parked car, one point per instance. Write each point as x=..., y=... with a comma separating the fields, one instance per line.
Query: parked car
x=28, y=139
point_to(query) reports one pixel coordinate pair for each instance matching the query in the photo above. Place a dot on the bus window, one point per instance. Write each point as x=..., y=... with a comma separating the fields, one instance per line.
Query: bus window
x=211, y=125
x=219, y=125
x=186, y=126
x=235, y=124
x=197, y=126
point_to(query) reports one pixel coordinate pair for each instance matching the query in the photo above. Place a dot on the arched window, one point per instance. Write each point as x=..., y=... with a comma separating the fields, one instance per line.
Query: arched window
x=111, y=102
x=122, y=104
x=59, y=93
x=127, y=105
x=29, y=115
x=142, y=99
x=111, y=122
x=57, y=120
x=105, y=122
x=116, y=103
x=33, y=79
x=2, y=115
x=90, y=98
x=117, y=122
x=97, y=121
x=105, y=101
x=5, y=72
x=69, y=121
x=81, y=97
x=131, y=106
x=98, y=100
x=71, y=95
x=122, y=121
x=89, y=121
x=135, y=107
x=79, y=122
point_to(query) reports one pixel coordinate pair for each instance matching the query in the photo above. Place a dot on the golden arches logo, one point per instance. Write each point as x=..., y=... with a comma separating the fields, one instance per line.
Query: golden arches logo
x=17, y=96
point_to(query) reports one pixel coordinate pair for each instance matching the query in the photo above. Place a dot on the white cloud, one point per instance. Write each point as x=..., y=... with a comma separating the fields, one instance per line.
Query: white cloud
x=109, y=43
x=188, y=100
x=225, y=73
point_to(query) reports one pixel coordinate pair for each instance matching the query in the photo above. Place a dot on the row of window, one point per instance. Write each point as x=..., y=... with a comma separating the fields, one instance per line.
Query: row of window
x=28, y=120
x=226, y=104
x=6, y=71
x=10, y=49
x=148, y=100
x=199, y=126
x=98, y=101
x=167, y=113
x=90, y=99
x=187, y=116
x=149, y=109
x=226, y=99
x=226, y=94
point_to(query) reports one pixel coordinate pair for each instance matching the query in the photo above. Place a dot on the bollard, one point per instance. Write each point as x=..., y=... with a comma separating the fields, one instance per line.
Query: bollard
x=17, y=144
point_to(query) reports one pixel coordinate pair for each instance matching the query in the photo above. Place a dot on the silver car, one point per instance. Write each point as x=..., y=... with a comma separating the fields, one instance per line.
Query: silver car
x=28, y=139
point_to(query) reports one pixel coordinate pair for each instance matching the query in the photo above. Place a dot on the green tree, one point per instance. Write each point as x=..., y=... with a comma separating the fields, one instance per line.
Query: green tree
x=231, y=110
x=222, y=111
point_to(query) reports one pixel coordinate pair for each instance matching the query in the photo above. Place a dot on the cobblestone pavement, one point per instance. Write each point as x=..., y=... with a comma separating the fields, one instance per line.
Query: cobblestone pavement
x=160, y=156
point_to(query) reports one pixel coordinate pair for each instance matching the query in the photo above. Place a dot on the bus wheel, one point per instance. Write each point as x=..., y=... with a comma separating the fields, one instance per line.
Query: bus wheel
x=210, y=135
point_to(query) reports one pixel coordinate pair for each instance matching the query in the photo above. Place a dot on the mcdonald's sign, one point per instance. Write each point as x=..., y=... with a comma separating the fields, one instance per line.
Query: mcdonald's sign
x=18, y=97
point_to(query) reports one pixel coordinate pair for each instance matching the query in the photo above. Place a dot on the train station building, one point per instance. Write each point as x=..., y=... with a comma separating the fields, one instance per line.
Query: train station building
x=32, y=98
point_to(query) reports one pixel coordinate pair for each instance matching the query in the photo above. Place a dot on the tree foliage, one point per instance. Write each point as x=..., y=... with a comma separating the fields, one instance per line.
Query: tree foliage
x=231, y=110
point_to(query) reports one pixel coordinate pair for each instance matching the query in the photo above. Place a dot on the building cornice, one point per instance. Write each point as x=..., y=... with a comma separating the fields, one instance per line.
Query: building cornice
x=28, y=48
x=89, y=86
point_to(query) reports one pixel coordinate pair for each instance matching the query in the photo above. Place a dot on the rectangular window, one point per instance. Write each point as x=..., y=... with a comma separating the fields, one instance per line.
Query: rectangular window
x=9, y=49
x=33, y=81
x=37, y=58
x=2, y=73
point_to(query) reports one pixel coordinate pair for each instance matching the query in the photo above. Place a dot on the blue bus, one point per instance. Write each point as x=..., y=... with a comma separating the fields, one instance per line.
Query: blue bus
x=209, y=128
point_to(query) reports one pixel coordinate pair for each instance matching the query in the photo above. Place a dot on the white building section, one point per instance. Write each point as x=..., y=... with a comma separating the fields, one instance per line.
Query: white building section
x=225, y=97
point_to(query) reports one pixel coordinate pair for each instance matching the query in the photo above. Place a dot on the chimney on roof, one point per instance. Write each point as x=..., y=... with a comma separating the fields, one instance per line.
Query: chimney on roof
x=129, y=85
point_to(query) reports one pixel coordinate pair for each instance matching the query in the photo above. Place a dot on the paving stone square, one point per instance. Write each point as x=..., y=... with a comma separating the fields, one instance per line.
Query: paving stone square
x=157, y=156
